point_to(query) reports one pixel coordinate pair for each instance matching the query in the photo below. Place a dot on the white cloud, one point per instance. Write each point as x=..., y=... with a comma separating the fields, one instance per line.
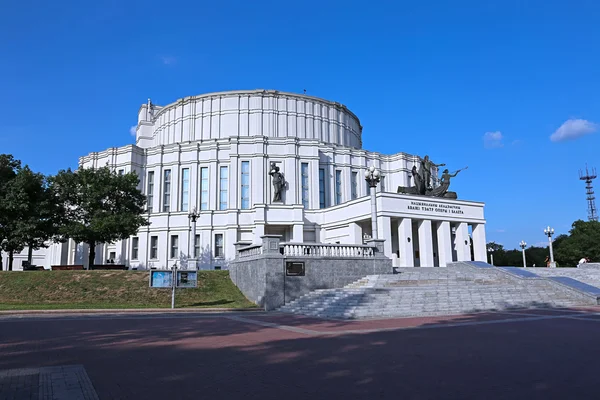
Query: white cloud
x=168, y=60
x=573, y=129
x=517, y=142
x=132, y=130
x=541, y=244
x=492, y=140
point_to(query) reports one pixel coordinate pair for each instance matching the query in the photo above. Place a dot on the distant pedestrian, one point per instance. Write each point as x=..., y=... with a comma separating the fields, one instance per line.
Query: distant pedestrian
x=583, y=260
x=547, y=261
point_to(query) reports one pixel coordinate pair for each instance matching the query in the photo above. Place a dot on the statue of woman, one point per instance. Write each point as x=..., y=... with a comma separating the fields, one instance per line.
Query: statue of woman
x=441, y=190
x=278, y=182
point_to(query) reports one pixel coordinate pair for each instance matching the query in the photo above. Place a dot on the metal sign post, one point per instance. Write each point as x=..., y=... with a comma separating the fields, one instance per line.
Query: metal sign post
x=173, y=286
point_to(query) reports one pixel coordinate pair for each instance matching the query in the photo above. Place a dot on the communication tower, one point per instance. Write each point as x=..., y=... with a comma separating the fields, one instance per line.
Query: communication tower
x=588, y=177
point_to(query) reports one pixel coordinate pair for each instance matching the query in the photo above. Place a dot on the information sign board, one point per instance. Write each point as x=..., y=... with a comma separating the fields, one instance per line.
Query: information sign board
x=187, y=279
x=161, y=278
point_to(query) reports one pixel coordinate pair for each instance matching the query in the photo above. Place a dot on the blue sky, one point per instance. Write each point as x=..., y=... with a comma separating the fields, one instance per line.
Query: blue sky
x=477, y=83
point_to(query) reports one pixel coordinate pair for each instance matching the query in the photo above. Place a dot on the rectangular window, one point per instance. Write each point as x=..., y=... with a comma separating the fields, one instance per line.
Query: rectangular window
x=322, y=188
x=223, y=192
x=135, y=242
x=219, y=245
x=167, y=191
x=185, y=189
x=174, y=246
x=204, y=188
x=382, y=184
x=304, y=174
x=338, y=186
x=354, y=185
x=121, y=172
x=150, y=191
x=245, y=183
x=196, y=246
x=154, y=247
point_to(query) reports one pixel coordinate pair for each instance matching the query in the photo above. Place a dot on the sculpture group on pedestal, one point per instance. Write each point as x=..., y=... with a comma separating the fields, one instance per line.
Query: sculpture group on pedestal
x=423, y=184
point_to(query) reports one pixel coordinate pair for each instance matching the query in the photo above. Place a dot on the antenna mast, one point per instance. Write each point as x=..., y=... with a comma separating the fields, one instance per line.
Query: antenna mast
x=588, y=177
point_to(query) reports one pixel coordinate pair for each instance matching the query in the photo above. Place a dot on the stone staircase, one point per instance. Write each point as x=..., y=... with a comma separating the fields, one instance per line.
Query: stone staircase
x=457, y=289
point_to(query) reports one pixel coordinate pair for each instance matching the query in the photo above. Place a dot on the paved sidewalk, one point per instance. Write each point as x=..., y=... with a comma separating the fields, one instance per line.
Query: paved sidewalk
x=69, y=382
x=129, y=311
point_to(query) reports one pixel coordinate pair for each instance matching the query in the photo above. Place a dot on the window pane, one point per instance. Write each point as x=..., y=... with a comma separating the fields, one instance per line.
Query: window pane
x=338, y=187
x=167, y=191
x=218, y=245
x=185, y=189
x=154, y=247
x=204, y=188
x=174, y=246
x=196, y=246
x=134, y=248
x=150, y=191
x=354, y=185
x=223, y=186
x=245, y=185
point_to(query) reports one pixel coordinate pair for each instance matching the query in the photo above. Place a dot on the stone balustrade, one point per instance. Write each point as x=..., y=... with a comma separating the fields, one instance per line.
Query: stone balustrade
x=250, y=251
x=327, y=250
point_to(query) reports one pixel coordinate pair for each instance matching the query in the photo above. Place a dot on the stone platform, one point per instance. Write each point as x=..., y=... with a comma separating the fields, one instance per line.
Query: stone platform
x=460, y=288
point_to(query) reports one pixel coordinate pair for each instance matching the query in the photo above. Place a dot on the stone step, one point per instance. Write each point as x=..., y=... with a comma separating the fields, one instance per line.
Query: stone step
x=393, y=295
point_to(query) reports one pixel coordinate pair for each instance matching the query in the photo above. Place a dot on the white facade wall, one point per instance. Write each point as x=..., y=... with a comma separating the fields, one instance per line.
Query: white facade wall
x=259, y=127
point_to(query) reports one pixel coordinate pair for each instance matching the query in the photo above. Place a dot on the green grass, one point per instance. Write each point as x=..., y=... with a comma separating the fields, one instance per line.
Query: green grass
x=45, y=290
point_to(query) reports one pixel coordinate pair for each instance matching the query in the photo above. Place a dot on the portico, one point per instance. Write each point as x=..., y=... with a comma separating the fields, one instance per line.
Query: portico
x=419, y=231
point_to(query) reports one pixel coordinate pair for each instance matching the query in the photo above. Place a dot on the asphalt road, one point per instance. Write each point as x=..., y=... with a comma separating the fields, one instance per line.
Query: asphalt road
x=520, y=355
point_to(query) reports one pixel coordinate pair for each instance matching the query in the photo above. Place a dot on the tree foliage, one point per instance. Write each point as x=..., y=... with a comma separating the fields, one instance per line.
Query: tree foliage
x=100, y=206
x=9, y=168
x=35, y=212
x=514, y=258
x=583, y=241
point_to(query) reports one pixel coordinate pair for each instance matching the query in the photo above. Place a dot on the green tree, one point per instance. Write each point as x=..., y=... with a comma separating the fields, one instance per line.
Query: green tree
x=34, y=209
x=100, y=206
x=9, y=167
x=583, y=241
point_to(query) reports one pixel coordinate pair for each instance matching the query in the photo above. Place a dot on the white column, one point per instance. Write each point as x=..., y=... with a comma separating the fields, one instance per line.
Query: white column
x=463, y=252
x=425, y=243
x=405, y=243
x=355, y=233
x=444, y=240
x=298, y=233
x=384, y=231
x=479, y=243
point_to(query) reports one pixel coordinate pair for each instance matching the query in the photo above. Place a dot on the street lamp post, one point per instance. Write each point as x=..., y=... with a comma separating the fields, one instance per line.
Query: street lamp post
x=373, y=176
x=523, y=245
x=491, y=251
x=549, y=232
x=193, y=216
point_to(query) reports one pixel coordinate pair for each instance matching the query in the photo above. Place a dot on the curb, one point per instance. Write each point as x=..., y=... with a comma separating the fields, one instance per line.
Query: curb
x=131, y=311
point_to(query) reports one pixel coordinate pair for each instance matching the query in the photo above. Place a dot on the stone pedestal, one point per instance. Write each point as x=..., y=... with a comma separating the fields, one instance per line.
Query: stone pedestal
x=379, y=246
x=270, y=244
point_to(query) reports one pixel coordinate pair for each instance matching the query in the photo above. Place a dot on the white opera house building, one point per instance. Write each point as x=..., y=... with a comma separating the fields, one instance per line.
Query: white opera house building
x=213, y=154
